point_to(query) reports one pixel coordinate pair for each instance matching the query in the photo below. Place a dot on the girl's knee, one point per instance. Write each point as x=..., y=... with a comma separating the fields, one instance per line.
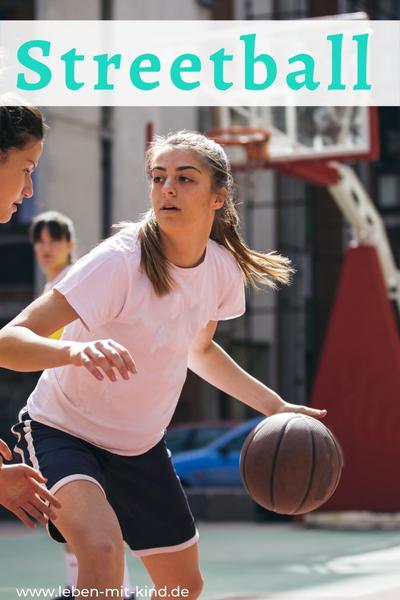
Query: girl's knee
x=102, y=550
x=190, y=588
x=196, y=587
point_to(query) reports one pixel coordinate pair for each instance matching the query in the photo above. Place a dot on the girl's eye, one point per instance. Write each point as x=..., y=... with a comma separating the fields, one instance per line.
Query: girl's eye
x=184, y=179
x=157, y=179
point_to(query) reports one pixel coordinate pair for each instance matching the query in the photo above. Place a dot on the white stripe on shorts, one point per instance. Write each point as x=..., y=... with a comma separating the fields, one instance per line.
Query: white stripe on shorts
x=75, y=477
x=31, y=447
x=165, y=549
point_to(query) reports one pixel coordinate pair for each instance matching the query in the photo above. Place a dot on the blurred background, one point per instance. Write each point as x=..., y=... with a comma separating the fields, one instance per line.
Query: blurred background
x=92, y=171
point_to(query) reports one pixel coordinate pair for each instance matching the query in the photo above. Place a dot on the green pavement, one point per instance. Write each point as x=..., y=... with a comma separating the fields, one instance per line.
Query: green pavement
x=239, y=560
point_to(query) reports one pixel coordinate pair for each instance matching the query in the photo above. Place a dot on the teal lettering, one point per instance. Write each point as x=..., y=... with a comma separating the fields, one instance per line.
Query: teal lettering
x=250, y=60
x=177, y=69
x=34, y=65
x=306, y=74
x=103, y=63
x=70, y=58
x=137, y=68
x=218, y=58
x=337, y=44
x=362, y=61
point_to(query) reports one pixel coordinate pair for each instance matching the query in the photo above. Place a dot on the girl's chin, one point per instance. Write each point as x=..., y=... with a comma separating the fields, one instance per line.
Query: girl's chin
x=6, y=216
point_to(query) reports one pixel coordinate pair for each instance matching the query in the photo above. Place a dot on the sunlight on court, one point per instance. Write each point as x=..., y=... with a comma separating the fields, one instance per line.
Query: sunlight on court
x=240, y=560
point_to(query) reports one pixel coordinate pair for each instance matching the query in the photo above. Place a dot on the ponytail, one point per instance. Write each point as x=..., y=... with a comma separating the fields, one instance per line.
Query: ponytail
x=268, y=268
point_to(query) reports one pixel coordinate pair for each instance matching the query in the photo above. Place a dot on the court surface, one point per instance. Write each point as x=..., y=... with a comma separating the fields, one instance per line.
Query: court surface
x=239, y=560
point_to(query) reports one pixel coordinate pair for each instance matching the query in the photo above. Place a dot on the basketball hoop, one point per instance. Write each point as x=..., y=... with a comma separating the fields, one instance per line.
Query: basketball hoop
x=252, y=140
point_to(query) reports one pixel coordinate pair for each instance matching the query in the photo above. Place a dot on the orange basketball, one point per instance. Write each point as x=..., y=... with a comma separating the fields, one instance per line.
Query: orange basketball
x=291, y=463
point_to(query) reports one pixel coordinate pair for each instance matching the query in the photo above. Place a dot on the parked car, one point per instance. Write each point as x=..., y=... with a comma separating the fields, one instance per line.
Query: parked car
x=191, y=436
x=217, y=463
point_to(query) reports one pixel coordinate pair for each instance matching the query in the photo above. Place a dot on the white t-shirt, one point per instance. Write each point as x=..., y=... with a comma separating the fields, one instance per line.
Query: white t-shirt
x=115, y=299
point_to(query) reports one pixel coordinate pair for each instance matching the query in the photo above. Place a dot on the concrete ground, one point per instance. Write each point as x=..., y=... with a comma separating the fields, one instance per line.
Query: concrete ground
x=239, y=560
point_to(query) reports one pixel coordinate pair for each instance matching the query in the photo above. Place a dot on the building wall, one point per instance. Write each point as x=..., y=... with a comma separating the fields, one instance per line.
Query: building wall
x=130, y=190
x=69, y=179
x=73, y=9
x=154, y=9
x=70, y=170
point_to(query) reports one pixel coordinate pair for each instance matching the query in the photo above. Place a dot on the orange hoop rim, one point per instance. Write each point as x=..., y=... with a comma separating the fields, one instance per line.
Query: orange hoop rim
x=238, y=136
x=254, y=140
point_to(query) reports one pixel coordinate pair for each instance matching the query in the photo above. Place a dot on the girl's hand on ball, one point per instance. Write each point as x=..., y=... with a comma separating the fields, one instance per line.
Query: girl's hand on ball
x=304, y=410
x=102, y=356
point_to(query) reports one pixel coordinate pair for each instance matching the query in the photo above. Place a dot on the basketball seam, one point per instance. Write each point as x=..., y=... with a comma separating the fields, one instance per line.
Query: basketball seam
x=312, y=471
x=271, y=485
x=339, y=454
x=243, y=461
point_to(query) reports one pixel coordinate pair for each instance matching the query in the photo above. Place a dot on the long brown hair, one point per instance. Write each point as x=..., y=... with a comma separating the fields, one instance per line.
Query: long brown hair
x=257, y=267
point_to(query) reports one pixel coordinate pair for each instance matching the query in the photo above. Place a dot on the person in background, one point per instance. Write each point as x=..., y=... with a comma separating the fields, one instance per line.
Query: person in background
x=53, y=238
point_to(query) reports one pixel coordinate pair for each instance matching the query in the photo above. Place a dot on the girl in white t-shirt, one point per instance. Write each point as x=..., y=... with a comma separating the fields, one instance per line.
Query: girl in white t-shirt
x=138, y=311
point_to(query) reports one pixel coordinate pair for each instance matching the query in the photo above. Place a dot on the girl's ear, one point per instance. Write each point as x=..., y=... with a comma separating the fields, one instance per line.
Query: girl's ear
x=71, y=247
x=220, y=198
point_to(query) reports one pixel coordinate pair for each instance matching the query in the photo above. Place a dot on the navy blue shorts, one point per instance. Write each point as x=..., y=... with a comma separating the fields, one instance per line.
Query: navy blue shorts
x=143, y=490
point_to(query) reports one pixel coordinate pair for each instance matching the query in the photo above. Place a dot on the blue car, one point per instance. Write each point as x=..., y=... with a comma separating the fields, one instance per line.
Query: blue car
x=195, y=435
x=217, y=463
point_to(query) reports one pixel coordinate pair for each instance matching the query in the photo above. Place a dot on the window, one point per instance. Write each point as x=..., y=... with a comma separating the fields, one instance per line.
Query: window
x=17, y=9
x=235, y=445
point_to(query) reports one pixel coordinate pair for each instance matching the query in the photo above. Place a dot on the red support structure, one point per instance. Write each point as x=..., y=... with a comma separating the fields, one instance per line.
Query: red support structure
x=318, y=172
x=358, y=381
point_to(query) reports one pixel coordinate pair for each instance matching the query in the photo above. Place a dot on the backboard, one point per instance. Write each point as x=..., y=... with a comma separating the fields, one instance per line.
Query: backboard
x=303, y=133
x=307, y=132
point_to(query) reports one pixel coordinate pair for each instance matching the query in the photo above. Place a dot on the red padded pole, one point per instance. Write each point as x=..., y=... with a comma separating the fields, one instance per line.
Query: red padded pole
x=358, y=381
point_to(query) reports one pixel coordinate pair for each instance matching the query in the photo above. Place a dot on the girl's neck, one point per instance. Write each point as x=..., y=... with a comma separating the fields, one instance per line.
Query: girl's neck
x=53, y=273
x=184, y=253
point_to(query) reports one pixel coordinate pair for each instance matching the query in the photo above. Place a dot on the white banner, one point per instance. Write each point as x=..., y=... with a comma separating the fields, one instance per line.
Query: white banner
x=209, y=63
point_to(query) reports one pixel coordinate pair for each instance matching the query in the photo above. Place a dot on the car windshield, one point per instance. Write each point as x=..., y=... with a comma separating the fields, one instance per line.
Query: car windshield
x=236, y=444
x=181, y=439
x=176, y=439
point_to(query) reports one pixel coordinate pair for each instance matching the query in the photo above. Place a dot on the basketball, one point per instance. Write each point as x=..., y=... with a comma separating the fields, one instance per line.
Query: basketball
x=290, y=463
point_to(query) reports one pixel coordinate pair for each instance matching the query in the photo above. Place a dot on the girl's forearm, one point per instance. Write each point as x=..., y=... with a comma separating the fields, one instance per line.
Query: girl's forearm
x=23, y=350
x=218, y=368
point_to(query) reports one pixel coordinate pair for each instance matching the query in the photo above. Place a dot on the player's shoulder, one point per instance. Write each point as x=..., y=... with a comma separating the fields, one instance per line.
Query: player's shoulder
x=222, y=258
x=125, y=242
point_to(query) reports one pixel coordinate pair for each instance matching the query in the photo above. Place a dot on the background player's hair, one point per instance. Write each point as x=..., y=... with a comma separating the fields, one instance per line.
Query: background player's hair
x=60, y=227
x=19, y=125
x=257, y=267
